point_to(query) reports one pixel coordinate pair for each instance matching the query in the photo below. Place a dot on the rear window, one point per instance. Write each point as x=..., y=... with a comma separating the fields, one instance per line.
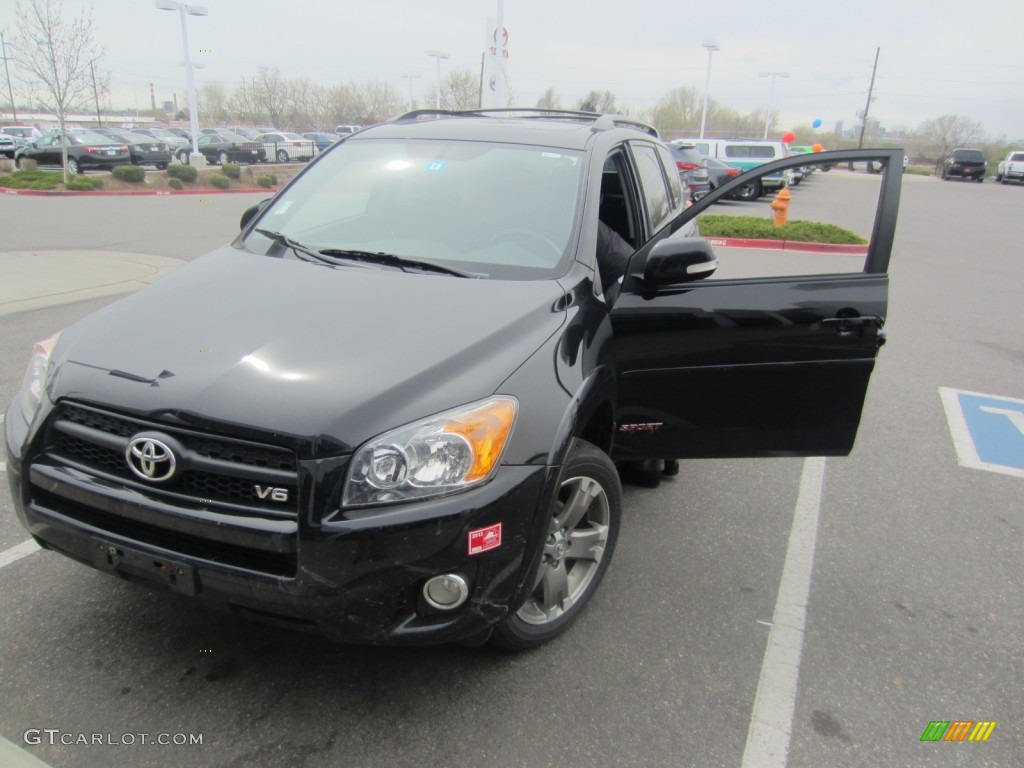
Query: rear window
x=749, y=150
x=968, y=154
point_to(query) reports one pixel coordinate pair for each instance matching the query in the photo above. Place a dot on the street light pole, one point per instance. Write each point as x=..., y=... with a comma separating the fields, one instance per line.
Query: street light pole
x=771, y=97
x=410, y=78
x=190, y=10
x=711, y=47
x=438, y=55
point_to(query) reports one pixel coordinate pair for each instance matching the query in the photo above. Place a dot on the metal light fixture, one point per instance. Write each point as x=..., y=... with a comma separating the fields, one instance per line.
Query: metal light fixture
x=188, y=10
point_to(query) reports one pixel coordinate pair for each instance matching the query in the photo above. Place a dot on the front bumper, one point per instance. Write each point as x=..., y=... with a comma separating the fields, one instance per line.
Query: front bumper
x=354, y=576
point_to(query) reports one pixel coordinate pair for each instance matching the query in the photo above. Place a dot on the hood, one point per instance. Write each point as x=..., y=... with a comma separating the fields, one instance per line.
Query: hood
x=290, y=350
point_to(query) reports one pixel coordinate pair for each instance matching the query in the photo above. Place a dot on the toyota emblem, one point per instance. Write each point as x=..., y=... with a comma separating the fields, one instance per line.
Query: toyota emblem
x=151, y=459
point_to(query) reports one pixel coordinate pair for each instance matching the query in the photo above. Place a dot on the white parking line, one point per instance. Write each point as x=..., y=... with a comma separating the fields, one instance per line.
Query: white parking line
x=17, y=552
x=771, y=723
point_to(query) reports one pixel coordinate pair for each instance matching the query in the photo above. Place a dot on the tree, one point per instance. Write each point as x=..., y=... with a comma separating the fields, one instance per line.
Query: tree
x=549, y=100
x=940, y=135
x=270, y=96
x=595, y=101
x=214, y=102
x=57, y=53
x=460, y=90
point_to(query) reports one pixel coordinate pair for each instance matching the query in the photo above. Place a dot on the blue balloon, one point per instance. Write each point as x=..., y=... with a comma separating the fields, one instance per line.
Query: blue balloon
x=816, y=123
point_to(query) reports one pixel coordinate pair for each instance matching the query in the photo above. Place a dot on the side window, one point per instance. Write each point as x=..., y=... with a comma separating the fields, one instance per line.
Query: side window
x=617, y=209
x=652, y=180
x=675, y=183
x=703, y=148
x=206, y=139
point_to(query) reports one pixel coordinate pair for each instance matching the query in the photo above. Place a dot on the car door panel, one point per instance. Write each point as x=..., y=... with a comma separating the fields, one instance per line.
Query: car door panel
x=751, y=367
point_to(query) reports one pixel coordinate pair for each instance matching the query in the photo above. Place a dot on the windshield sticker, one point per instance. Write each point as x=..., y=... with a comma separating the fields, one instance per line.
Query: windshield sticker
x=437, y=165
x=283, y=207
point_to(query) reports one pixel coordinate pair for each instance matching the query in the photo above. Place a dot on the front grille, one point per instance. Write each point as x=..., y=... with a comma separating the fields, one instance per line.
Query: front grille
x=214, y=470
x=211, y=550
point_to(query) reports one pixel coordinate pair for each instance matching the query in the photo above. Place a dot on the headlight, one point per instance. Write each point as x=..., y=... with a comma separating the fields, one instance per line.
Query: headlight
x=35, y=377
x=439, y=455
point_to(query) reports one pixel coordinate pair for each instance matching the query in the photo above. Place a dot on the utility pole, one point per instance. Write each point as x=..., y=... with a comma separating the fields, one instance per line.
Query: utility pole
x=867, y=106
x=7, y=69
x=95, y=92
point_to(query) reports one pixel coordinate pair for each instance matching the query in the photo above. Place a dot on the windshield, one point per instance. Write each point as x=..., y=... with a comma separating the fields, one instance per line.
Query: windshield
x=499, y=210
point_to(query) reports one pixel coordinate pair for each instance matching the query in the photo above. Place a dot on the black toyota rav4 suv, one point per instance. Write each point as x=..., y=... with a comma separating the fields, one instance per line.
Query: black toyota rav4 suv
x=392, y=409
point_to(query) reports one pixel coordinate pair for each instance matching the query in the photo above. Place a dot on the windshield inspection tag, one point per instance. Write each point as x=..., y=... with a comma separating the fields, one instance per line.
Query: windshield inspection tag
x=437, y=165
x=484, y=539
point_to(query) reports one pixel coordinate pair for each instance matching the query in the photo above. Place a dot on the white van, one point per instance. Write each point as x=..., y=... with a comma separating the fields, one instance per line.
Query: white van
x=744, y=154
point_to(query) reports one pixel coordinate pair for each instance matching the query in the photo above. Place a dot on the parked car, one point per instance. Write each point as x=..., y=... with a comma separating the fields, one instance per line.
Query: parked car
x=417, y=386
x=287, y=147
x=9, y=145
x=166, y=136
x=320, y=139
x=745, y=154
x=85, y=151
x=226, y=148
x=690, y=163
x=965, y=163
x=1011, y=168
x=144, y=149
x=13, y=137
x=719, y=172
x=347, y=130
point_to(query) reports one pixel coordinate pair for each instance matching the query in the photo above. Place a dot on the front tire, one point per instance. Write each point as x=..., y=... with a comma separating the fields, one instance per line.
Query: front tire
x=580, y=540
x=73, y=168
x=183, y=157
x=222, y=158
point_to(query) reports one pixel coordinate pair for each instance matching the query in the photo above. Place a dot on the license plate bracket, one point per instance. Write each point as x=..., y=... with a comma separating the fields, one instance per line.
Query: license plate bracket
x=118, y=559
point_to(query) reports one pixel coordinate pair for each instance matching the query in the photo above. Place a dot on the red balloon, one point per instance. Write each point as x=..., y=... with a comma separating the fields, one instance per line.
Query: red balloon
x=817, y=148
x=788, y=137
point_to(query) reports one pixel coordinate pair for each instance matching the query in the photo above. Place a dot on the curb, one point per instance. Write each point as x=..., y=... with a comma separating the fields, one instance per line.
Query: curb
x=124, y=192
x=789, y=245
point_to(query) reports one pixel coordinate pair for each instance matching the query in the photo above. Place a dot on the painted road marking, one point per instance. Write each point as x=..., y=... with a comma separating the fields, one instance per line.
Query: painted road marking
x=17, y=552
x=987, y=430
x=771, y=722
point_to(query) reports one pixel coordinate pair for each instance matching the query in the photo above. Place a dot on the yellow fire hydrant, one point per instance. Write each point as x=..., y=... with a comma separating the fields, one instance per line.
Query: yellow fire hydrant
x=781, y=206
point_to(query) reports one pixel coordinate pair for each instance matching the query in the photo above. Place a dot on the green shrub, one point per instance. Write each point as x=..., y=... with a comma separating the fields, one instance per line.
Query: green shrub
x=758, y=228
x=84, y=183
x=133, y=173
x=175, y=183
x=32, y=179
x=267, y=181
x=231, y=170
x=220, y=181
x=183, y=172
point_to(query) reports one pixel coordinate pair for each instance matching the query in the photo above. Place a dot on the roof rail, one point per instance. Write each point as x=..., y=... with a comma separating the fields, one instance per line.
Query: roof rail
x=601, y=122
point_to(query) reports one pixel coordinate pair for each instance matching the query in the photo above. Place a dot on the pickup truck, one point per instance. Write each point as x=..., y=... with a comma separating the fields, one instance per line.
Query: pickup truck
x=1012, y=168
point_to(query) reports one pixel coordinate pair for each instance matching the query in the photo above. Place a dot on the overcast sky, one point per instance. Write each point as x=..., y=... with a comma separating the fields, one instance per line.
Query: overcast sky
x=937, y=56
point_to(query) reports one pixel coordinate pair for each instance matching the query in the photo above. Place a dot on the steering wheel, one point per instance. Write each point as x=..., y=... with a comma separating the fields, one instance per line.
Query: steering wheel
x=514, y=233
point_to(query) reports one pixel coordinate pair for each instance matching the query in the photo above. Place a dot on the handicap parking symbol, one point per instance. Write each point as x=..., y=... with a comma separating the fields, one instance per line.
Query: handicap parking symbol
x=987, y=430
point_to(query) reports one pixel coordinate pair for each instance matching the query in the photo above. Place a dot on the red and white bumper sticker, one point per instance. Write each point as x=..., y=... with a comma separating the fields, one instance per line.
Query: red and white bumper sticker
x=484, y=539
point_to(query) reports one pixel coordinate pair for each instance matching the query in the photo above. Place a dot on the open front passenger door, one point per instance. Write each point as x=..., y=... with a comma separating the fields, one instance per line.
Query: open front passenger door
x=769, y=351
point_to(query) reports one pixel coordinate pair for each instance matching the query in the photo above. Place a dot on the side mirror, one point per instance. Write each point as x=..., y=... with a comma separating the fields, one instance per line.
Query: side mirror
x=251, y=211
x=679, y=260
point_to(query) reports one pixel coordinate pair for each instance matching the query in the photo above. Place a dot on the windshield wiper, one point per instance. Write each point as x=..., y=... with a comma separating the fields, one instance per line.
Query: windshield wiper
x=392, y=260
x=304, y=252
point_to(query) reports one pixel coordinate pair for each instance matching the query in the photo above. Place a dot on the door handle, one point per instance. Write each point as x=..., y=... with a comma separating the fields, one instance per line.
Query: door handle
x=847, y=326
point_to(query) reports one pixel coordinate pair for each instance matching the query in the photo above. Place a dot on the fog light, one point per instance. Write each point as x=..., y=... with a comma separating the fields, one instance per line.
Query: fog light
x=446, y=592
